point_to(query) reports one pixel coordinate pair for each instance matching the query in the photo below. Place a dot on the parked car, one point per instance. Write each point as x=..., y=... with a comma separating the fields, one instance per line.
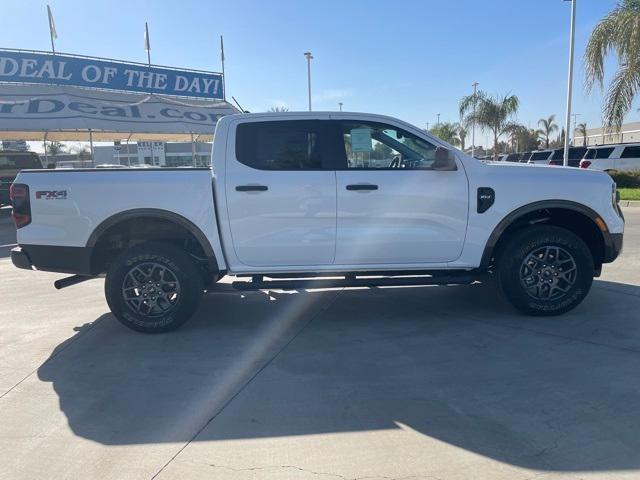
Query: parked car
x=295, y=197
x=575, y=155
x=541, y=157
x=622, y=157
x=11, y=162
x=512, y=157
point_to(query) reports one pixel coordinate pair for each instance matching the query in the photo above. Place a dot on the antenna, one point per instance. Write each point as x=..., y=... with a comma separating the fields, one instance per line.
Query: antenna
x=239, y=106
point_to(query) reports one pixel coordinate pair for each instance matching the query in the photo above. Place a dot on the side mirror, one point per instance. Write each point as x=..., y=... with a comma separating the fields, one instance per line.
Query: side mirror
x=445, y=160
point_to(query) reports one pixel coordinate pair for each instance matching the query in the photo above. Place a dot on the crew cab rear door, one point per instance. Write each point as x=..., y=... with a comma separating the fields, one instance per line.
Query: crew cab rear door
x=394, y=204
x=281, y=198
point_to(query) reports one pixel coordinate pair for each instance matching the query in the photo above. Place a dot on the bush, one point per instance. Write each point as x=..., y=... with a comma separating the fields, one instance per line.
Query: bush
x=626, y=179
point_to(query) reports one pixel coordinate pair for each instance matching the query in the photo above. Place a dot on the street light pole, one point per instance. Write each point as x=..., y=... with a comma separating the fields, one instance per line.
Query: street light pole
x=572, y=37
x=340, y=104
x=473, y=124
x=438, y=124
x=309, y=57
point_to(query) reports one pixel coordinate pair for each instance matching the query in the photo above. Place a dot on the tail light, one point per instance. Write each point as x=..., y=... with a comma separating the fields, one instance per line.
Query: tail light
x=19, y=196
x=585, y=164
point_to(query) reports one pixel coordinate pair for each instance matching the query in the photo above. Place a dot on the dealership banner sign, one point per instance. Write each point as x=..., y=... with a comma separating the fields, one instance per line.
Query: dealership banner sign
x=55, y=69
x=49, y=108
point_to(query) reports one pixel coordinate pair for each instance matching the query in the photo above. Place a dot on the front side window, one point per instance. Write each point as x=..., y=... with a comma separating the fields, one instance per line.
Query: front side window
x=280, y=145
x=370, y=145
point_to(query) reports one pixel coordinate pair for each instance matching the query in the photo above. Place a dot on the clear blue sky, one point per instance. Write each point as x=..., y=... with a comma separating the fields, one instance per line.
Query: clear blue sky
x=410, y=59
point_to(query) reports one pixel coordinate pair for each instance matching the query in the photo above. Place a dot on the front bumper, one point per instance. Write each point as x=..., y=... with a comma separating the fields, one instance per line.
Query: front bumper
x=612, y=247
x=20, y=259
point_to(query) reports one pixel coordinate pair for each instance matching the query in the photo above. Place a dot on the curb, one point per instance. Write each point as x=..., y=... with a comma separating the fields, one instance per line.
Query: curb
x=630, y=203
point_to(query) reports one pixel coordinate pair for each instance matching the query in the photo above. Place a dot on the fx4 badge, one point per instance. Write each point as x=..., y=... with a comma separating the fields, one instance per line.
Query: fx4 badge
x=51, y=195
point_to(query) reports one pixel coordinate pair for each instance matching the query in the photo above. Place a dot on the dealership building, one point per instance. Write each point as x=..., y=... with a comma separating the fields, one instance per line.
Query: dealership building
x=158, y=154
x=629, y=133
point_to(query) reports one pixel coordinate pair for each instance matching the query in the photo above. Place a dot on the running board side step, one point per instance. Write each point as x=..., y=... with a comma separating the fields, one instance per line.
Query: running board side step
x=72, y=280
x=352, y=281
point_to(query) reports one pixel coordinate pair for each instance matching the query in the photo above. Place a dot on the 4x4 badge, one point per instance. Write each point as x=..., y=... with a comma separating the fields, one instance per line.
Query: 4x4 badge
x=51, y=195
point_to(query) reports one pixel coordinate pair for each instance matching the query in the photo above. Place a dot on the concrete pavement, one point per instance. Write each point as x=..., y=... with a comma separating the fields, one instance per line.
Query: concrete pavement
x=435, y=382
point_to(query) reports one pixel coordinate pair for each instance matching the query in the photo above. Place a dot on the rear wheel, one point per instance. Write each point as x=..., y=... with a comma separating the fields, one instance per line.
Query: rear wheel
x=153, y=287
x=545, y=270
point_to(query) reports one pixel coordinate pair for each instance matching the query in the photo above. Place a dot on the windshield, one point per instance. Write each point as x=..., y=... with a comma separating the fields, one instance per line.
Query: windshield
x=18, y=161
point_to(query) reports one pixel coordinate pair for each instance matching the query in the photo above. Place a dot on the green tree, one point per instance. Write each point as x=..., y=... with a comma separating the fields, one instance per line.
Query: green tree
x=462, y=135
x=617, y=33
x=55, y=148
x=548, y=127
x=492, y=113
x=582, y=131
x=447, y=132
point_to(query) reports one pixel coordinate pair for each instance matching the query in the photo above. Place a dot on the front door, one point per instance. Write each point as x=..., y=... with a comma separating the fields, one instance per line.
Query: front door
x=281, y=200
x=396, y=205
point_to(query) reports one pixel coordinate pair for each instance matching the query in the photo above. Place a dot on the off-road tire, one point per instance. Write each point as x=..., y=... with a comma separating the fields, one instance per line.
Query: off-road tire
x=162, y=300
x=535, y=261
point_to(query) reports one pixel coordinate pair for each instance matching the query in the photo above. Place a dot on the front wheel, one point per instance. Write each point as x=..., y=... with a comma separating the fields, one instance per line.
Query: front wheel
x=153, y=287
x=545, y=270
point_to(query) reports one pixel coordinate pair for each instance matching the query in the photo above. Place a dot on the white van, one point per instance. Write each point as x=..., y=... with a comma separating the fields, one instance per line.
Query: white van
x=622, y=157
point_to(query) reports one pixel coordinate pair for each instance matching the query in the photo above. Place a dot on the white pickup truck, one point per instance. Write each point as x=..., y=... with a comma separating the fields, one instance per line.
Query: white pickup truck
x=318, y=200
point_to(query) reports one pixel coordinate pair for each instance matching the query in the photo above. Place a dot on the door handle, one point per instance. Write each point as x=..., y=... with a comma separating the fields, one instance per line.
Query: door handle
x=362, y=187
x=252, y=188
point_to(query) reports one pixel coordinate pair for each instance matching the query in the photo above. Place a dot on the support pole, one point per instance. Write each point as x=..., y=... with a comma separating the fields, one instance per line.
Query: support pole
x=570, y=82
x=193, y=152
x=46, y=155
x=473, y=126
x=93, y=162
x=128, y=152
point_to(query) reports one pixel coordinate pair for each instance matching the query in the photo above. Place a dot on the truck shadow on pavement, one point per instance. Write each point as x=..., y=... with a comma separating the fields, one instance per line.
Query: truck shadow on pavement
x=452, y=363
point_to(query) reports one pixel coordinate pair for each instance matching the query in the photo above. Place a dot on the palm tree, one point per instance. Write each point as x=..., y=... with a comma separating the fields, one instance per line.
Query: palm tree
x=492, y=113
x=279, y=109
x=55, y=148
x=548, y=127
x=447, y=132
x=617, y=33
x=462, y=135
x=582, y=130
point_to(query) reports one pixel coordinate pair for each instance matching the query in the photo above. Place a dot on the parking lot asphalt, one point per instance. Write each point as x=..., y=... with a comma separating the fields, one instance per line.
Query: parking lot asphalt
x=385, y=383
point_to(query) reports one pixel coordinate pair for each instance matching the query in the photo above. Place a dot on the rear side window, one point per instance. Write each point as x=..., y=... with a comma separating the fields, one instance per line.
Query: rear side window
x=591, y=153
x=631, y=152
x=18, y=162
x=282, y=145
x=576, y=153
x=540, y=156
x=603, y=153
